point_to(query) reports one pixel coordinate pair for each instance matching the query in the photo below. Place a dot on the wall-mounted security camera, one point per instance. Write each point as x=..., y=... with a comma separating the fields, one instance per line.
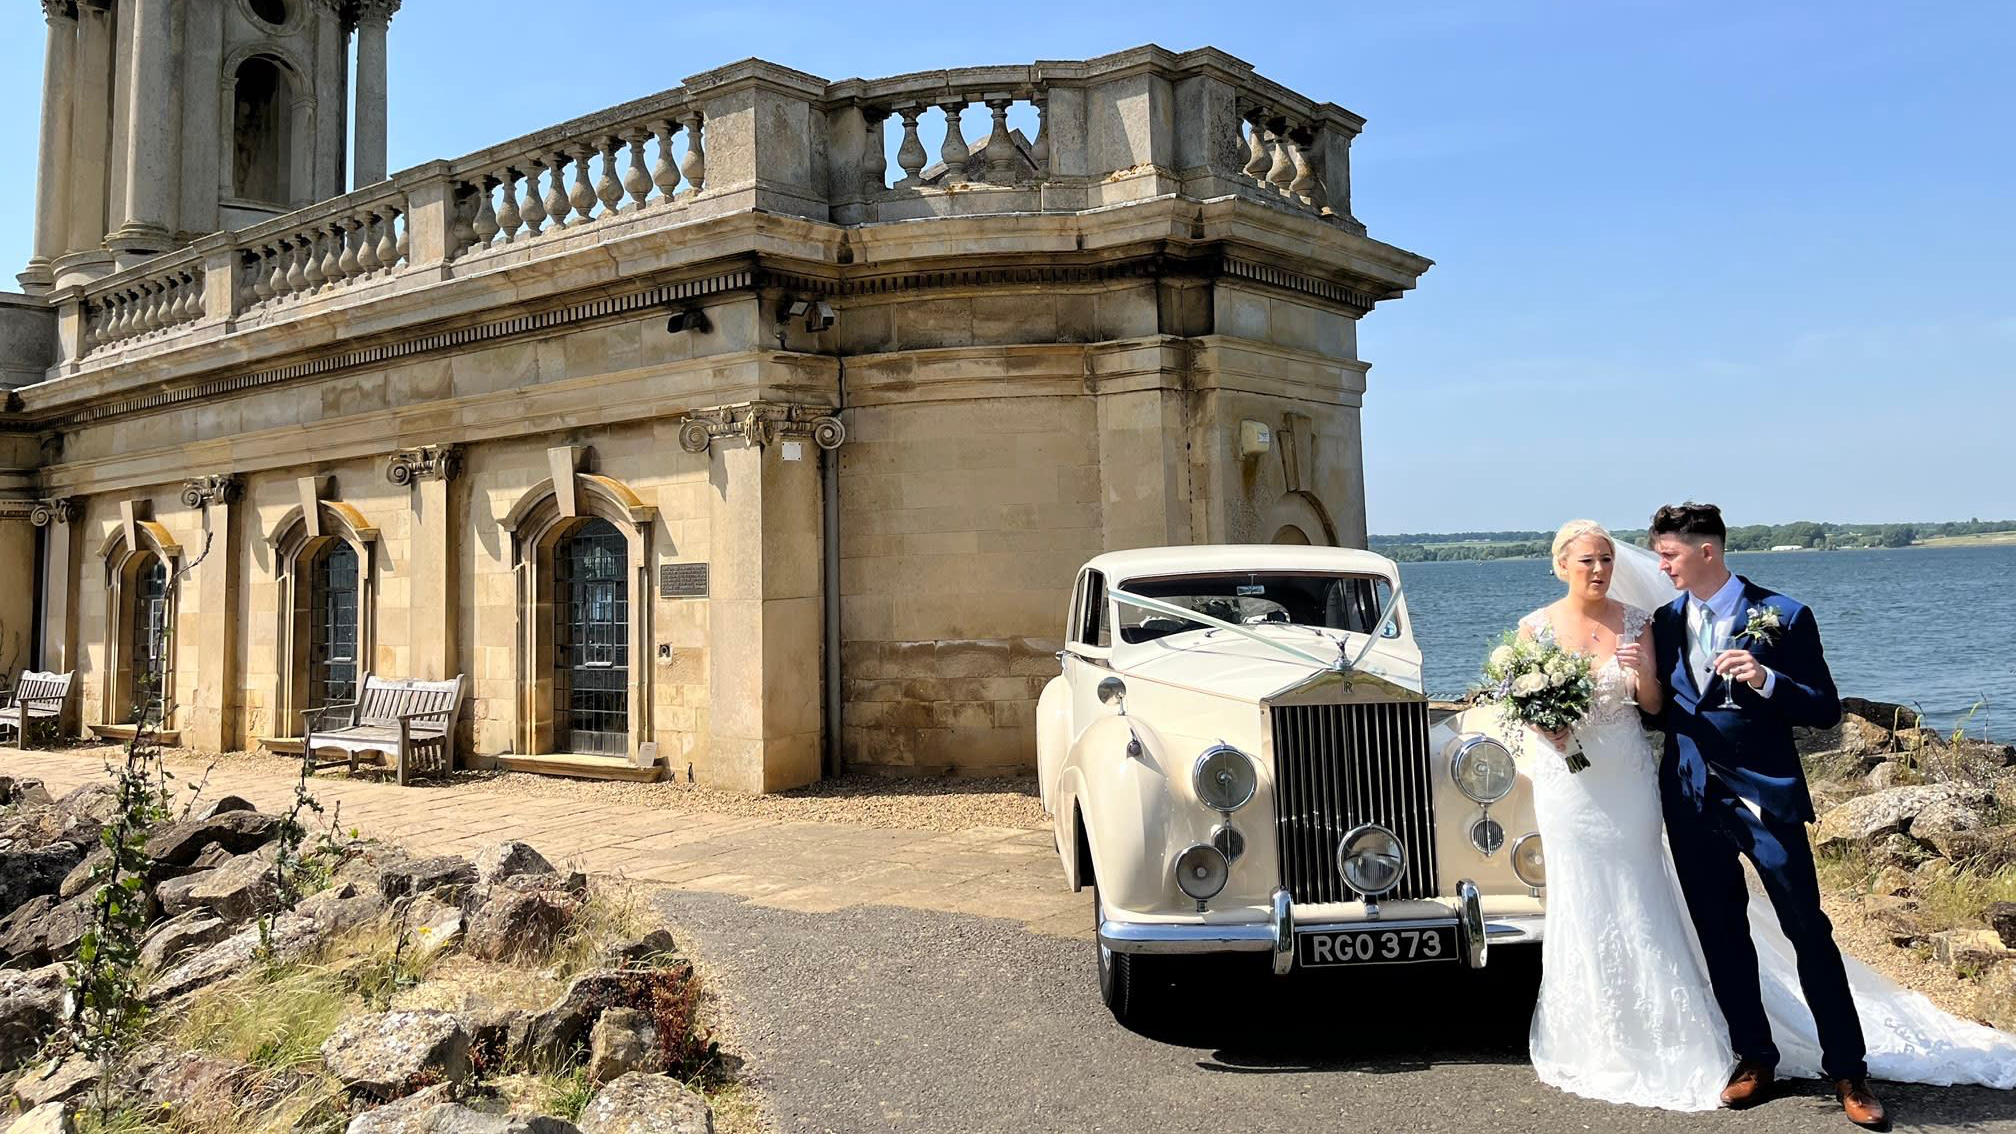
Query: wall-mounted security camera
x=818, y=315
x=692, y=319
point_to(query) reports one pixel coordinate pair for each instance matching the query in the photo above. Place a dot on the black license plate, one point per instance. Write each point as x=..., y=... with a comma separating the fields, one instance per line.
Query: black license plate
x=1376, y=945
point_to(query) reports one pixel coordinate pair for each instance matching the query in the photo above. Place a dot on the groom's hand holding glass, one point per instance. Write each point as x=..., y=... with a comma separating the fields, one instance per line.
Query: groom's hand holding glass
x=1741, y=665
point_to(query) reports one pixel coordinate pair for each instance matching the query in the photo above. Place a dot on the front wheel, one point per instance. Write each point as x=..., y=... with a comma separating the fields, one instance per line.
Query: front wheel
x=1125, y=982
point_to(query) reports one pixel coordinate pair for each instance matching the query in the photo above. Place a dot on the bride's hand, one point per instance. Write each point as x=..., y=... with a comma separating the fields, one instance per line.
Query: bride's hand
x=1558, y=737
x=1631, y=658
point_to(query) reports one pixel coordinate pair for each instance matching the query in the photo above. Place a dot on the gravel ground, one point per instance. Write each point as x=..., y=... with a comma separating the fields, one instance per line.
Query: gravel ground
x=882, y=1019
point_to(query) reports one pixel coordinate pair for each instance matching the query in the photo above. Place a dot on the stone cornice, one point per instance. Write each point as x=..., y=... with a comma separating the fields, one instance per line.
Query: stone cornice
x=427, y=462
x=760, y=423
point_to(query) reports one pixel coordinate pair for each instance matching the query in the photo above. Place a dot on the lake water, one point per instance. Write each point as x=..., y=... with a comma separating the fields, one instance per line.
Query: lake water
x=1932, y=626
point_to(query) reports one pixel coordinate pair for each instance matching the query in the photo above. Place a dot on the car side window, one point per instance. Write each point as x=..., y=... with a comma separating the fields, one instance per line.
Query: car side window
x=1075, y=620
x=1093, y=630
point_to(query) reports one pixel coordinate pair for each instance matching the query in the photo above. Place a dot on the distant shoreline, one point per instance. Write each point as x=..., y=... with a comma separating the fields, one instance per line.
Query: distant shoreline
x=2000, y=539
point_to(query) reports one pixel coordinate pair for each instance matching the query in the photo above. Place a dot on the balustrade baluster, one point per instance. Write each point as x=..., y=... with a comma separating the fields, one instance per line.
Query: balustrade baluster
x=192, y=297
x=123, y=314
x=483, y=227
x=636, y=178
x=332, y=254
x=532, y=208
x=608, y=189
x=665, y=172
x=94, y=325
x=582, y=196
x=350, y=264
x=148, y=309
x=1256, y=143
x=1039, y=150
x=391, y=242
x=693, y=167
x=402, y=248
x=874, y=162
x=367, y=245
x=312, y=275
x=108, y=322
x=508, y=219
x=910, y=155
x=1002, y=160
x=953, y=151
x=557, y=206
x=297, y=265
x=1282, y=173
x=462, y=207
x=1305, y=187
x=259, y=272
x=276, y=283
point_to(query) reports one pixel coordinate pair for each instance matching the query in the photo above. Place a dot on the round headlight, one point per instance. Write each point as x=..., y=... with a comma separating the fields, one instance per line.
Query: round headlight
x=1529, y=862
x=1482, y=768
x=1225, y=778
x=1201, y=871
x=1372, y=860
x=1487, y=836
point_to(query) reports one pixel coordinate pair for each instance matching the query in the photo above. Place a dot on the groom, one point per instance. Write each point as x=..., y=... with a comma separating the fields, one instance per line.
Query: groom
x=1727, y=638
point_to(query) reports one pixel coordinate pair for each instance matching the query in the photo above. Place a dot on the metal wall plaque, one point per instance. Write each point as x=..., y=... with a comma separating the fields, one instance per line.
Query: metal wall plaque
x=682, y=580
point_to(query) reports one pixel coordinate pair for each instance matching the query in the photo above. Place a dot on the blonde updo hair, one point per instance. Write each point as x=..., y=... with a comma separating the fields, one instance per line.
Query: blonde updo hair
x=1569, y=533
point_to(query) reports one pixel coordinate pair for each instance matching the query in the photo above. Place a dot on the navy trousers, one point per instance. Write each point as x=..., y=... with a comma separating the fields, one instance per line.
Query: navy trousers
x=1706, y=845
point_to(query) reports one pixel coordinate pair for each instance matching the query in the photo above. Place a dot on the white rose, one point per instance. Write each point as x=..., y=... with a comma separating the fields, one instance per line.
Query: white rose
x=1501, y=658
x=1527, y=684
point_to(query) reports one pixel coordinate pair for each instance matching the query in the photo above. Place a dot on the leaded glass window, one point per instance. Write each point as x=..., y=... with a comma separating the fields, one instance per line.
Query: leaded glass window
x=150, y=638
x=332, y=627
x=591, y=607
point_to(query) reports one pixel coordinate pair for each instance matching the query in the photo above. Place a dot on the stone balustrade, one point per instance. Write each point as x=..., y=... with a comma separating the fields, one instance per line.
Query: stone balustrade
x=756, y=137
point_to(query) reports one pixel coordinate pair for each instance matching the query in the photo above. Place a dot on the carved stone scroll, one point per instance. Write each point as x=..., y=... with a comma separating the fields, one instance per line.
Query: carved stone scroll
x=761, y=423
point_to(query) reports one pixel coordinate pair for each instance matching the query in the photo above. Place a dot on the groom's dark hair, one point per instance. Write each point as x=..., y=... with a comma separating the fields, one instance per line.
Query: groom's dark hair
x=1690, y=521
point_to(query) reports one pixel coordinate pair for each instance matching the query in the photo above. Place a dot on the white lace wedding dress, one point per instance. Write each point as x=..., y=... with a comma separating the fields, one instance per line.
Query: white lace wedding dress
x=1626, y=1013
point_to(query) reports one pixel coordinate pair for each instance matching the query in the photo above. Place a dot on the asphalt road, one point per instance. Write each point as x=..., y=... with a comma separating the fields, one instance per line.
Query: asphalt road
x=875, y=1018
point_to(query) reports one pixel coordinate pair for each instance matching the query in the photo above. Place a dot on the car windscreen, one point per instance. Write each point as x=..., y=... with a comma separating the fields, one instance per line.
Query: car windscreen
x=1338, y=602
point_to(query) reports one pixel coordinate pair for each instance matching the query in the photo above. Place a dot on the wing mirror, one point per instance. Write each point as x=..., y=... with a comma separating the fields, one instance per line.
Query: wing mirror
x=1113, y=691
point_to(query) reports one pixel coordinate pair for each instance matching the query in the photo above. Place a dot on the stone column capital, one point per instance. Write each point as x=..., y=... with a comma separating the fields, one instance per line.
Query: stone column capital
x=760, y=423
x=217, y=488
x=374, y=13
x=55, y=510
x=54, y=10
x=427, y=462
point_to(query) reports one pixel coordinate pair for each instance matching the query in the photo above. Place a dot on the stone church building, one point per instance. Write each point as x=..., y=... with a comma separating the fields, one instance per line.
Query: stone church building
x=743, y=432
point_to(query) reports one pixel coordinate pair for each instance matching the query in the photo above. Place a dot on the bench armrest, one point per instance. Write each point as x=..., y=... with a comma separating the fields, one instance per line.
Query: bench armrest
x=311, y=719
x=425, y=713
x=54, y=699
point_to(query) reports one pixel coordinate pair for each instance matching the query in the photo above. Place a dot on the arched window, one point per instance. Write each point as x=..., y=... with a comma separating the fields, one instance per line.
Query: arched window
x=260, y=131
x=332, y=626
x=591, y=630
x=149, y=620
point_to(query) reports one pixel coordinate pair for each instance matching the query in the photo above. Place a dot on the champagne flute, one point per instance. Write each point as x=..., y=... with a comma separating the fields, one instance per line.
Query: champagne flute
x=1630, y=700
x=1725, y=640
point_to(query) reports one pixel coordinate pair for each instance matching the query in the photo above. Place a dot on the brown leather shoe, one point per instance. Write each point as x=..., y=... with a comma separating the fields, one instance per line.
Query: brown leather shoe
x=1862, y=1107
x=1750, y=1085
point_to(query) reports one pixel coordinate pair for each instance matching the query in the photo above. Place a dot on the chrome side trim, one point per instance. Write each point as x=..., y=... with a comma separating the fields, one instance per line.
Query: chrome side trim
x=1516, y=930
x=1471, y=936
x=1283, y=930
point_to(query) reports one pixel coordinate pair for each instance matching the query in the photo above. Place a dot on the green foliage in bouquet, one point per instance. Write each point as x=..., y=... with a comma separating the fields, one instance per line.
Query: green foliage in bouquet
x=1538, y=683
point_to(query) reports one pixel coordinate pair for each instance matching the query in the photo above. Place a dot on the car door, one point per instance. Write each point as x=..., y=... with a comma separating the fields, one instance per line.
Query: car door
x=1088, y=650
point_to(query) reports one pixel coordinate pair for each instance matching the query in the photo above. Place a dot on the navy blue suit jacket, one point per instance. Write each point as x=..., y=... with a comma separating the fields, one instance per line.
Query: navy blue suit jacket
x=1748, y=748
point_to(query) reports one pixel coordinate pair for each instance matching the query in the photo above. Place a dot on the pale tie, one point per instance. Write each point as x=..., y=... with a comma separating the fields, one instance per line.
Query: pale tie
x=1704, y=643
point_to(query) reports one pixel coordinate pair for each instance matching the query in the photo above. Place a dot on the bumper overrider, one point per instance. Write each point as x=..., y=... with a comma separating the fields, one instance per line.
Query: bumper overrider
x=1475, y=933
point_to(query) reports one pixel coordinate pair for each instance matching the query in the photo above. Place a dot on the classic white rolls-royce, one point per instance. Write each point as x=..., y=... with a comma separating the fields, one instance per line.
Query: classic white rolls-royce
x=1238, y=757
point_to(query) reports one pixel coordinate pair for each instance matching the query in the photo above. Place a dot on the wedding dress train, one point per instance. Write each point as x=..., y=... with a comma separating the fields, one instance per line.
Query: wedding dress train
x=1626, y=1013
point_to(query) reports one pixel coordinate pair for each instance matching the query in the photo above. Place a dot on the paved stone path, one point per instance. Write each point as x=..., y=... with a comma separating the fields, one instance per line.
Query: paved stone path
x=999, y=872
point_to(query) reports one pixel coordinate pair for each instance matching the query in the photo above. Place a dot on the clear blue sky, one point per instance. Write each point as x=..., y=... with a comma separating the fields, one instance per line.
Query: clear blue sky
x=1757, y=253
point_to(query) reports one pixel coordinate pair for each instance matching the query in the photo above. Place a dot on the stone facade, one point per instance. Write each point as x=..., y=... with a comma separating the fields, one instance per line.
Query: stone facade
x=701, y=419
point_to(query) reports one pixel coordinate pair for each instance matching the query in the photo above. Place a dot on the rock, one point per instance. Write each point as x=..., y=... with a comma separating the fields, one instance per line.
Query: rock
x=49, y=1118
x=1969, y=949
x=45, y=930
x=2002, y=919
x=238, y=890
x=433, y=1111
x=509, y=924
x=447, y=877
x=623, y=1040
x=1896, y=918
x=431, y=926
x=293, y=937
x=496, y=1035
x=240, y=832
x=167, y=942
x=28, y=872
x=390, y=1054
x=1866, y=726
x=1899, y=852
x=1948, y=816
x=56, y=1082
x=397, y=1117
x=646, y=1104
x=508, y=860
x=193, y=1080
x=1882, y=776
x=22, y=790
x=1996, y=1000
x=223, y=804
x=643, y=950
x=1895, y=811
x=1984, y=849
x=1892, y=880
x=558, y=1031
x=573, y=883
x=32, y=1003
x=95, y=803
x=341, y=908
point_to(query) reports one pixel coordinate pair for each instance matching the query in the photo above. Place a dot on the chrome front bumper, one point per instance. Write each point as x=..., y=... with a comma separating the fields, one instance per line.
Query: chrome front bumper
x=1276, y=936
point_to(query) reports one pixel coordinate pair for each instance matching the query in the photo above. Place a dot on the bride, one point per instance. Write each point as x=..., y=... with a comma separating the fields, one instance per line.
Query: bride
x=1626, y=1012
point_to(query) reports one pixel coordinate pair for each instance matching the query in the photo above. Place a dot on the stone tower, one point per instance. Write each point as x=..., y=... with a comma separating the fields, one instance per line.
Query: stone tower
x=165, y=120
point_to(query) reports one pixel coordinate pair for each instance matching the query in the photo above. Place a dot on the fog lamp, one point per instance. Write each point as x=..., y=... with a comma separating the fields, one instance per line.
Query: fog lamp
x=1487, y=836
x=1372, y=860
x=1201, y=871
x=1529, y=862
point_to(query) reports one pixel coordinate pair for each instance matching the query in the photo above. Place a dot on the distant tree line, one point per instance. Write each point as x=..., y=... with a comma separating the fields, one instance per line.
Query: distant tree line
x=1426, y=547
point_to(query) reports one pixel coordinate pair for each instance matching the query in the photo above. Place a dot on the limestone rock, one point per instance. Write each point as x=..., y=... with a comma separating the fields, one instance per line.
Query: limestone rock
x=643, y=950
x=294, y=937
x=22, y=790
x=95, y=803
x=28, y=872
x=341, y=908
x=223, y=804
x=49, y=1118
x=390, y=1054
x=238, y=890
x=1895, y=811
x=509, y=924
x=562, y=1028
x=623, y=1040
x=1948, y=816
x=45, y=930
x=167, y=942
x=447, y=877
x=1892, y=880
x=508, y=860
x=1899, y=851
x=431, y=926
x=1866, y=726
x=240, y=832
x=1975, y=949
x=193, y=1080
x=1895, y=917
x=56, y=1082
x=31, y=1005
x=1882, y=776
x=1995, y=1002
x=434, y=1111
x=646, y=1104
x=1982, y=849
x=2002, y=919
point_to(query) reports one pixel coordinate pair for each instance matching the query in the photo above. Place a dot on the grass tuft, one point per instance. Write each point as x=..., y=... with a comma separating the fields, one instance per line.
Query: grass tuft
x=1962, y=897
x=275, y=1020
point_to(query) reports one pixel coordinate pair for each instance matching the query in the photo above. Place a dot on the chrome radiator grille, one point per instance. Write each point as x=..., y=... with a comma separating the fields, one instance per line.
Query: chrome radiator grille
x=1337, y=766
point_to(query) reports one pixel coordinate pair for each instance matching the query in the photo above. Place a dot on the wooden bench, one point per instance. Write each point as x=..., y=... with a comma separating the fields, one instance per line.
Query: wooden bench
x=411, y=721
x=38, y=697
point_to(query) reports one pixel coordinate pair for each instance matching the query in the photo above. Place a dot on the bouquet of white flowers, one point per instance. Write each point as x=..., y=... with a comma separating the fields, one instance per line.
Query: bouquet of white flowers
x=1538, y=683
